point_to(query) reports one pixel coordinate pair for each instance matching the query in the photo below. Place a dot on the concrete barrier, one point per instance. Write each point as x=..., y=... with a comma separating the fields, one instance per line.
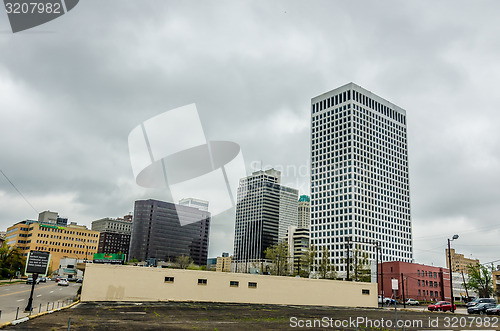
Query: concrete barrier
x=132, y=283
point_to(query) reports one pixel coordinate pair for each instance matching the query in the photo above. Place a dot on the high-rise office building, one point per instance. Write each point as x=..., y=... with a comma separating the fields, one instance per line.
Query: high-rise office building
x=298, y=244
x=289, y=210
x=115, y=234
x=196, y=203
x=459, y=262
x=304, y=212
x=263, y=209
x=52, y=217
x=164, y=230
x=71, y=241
x=359, y=175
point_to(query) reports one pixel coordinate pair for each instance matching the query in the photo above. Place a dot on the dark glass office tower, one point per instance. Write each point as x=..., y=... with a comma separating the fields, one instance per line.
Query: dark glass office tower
x=164, y=230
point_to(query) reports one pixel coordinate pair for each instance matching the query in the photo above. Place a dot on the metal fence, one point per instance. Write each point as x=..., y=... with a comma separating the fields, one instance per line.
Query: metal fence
x=50, y=306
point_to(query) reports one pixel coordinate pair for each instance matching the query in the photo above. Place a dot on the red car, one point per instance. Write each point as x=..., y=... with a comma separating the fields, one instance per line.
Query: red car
x=441, y=306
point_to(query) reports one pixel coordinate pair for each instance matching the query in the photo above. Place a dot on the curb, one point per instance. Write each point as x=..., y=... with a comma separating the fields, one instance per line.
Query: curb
x=5, y=324
x=27, y=318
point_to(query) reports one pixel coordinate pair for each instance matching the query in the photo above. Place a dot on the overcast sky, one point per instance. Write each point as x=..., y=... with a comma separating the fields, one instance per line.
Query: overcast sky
x=73, y=89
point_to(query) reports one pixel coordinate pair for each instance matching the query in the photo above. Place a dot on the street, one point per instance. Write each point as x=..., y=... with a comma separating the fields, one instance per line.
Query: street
x=45, y=295
x=423, y=308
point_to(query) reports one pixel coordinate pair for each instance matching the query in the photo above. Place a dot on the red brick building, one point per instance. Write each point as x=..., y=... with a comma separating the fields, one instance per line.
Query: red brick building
x=421, y=282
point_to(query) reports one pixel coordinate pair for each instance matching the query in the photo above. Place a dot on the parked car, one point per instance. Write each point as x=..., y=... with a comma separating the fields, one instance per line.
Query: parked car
x=412, y=302
x=480, y=308
x=386, y=301
x=43, y=279
x=79, y=280
x=30, y=280
x=441, y=306
x=479, y=300
x=493, y=311
x=63, y=282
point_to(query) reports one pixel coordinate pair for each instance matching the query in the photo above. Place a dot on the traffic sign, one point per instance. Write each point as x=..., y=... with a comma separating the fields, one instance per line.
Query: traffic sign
x=38, y=262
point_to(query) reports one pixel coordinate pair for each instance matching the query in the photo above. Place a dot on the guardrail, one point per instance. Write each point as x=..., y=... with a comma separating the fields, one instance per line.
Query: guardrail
x=41, y=309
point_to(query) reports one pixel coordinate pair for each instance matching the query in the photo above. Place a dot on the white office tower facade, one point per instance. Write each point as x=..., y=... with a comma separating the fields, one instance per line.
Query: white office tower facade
x=288, y=211
x=261, y=204
x=359, y=176
x=304, y=209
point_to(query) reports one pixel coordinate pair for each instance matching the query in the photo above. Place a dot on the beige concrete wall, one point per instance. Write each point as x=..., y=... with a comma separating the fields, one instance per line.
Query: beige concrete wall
x=131, y=283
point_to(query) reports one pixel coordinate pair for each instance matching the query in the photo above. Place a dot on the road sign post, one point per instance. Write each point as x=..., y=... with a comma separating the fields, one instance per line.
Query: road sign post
x=395, y=287
x=37, y=264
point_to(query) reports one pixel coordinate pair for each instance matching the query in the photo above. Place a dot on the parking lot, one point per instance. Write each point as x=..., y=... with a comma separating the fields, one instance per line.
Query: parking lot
x=219, y=316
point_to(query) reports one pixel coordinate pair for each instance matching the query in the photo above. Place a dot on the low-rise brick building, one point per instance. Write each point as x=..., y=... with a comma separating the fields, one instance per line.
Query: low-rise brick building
x=420, y=282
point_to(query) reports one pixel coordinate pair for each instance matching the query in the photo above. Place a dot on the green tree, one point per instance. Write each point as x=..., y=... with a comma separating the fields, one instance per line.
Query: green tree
x=325, y=268
x=480, y=279
x=11, y=260
x=183, y=261
x=307, y=262
x=361, y=265
x=278, y=254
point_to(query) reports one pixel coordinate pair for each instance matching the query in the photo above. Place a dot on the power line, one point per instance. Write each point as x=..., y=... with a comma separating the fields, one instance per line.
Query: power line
x=430, y=249
x=14, y=186
x=489, y=227
x=466, y=245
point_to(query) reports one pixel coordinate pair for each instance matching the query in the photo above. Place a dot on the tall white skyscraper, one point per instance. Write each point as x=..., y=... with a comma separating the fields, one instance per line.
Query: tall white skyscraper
x=359, y=175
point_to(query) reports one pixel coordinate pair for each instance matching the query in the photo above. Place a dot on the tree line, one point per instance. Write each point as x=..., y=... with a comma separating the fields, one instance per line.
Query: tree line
x=12, y=260
x=314, y=263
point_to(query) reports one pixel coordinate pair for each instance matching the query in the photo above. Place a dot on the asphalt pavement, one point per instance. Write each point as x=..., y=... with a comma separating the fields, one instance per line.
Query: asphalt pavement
x=45, y=296
x=210, y=316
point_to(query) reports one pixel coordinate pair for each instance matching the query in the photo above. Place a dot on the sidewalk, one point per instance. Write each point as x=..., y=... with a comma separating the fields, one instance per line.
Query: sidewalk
x=10, y=318
x=5, y=282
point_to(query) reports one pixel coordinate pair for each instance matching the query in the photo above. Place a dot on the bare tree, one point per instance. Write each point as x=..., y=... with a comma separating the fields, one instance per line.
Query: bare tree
x=183, y=261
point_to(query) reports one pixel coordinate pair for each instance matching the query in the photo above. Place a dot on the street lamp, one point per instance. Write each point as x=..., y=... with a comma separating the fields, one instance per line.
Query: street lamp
x=451, y=272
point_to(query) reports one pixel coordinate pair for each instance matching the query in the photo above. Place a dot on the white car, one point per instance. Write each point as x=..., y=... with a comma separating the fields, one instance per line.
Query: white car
x=63, y=282
x=412, y=302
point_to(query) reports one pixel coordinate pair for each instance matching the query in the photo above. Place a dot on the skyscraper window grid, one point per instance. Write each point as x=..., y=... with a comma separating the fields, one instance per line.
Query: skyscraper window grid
x=359, y=175
x=257, y=215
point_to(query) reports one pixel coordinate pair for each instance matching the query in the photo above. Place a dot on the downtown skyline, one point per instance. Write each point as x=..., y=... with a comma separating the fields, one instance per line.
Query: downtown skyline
x=69, y=97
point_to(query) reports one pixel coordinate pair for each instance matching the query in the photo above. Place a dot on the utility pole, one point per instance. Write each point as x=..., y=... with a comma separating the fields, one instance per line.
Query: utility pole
x=376, y=266
x=451, y=273
x=465, y=285
x=348, y=259
x=403, y=288
x=382, y=274
x=278, y=273
x=298, y=266
x=354, y=252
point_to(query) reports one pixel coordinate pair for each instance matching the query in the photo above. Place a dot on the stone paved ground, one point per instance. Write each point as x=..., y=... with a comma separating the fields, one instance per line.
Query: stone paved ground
x=218, y=316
